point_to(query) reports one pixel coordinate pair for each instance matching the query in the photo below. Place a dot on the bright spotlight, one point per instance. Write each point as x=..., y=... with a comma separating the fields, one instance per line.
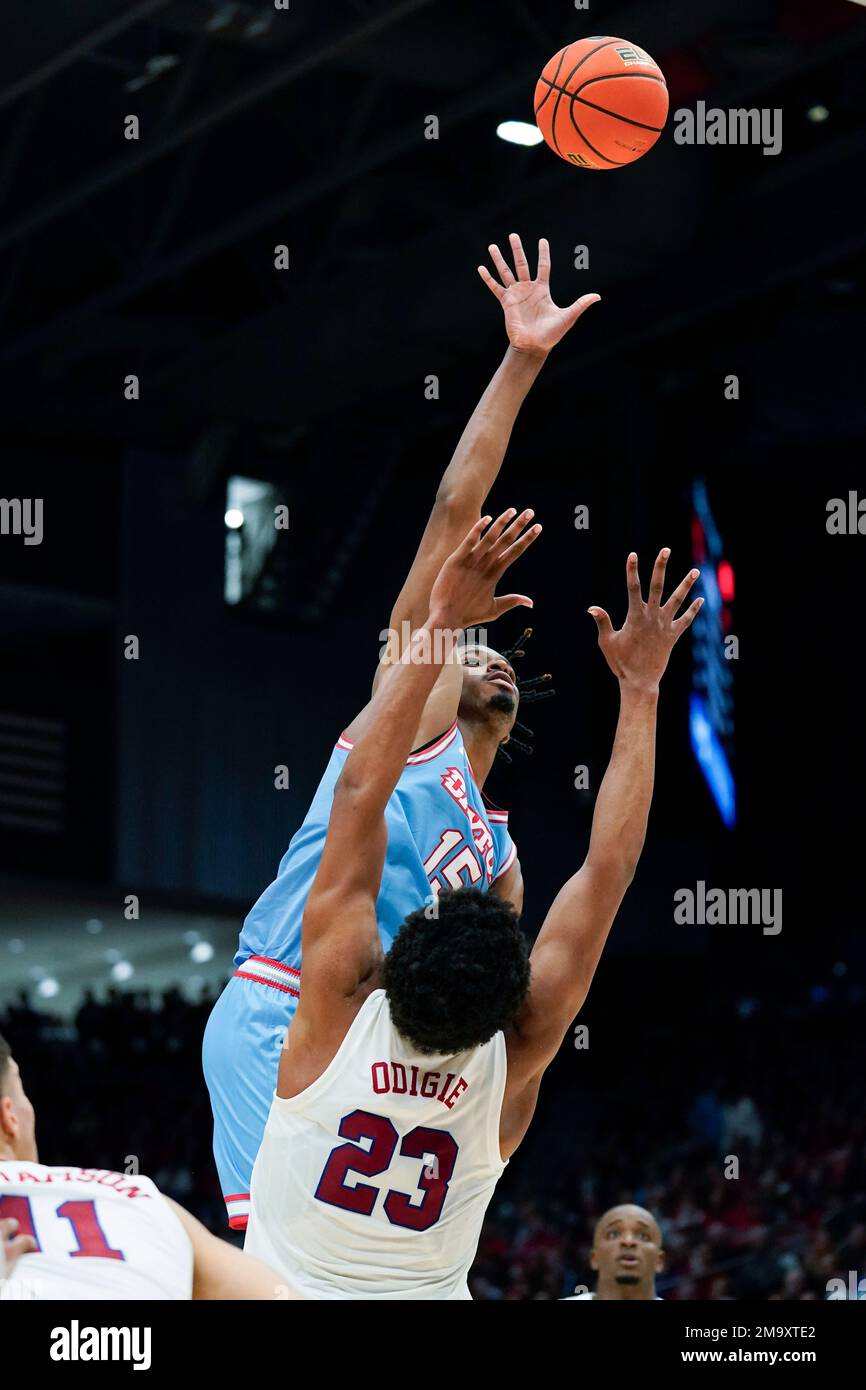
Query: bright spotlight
x=519, y=133
x=121, y=972
x=201, y=952
x=47, y=988
x=817, y=113
x=234, y=519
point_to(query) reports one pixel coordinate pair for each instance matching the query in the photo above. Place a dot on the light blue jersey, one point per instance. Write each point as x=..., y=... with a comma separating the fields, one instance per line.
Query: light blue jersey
x=441, y=834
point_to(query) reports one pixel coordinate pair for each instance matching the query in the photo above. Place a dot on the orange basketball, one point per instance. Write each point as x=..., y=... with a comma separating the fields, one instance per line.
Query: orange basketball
x=601, y=103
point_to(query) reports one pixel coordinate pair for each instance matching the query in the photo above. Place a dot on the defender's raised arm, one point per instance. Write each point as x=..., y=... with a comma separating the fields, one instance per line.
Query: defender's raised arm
x=570, y=942
x=340, y=912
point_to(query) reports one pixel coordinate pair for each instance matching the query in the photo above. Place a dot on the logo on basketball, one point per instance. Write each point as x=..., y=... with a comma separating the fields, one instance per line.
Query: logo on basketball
x=601, y=103
x=634, y=55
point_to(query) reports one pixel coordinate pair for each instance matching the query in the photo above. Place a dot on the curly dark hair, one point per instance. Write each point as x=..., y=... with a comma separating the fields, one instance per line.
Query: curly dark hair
x=456, y=978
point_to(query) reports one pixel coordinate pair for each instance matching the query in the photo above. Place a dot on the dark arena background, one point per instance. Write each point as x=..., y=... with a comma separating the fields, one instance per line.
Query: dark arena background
x=713, y=402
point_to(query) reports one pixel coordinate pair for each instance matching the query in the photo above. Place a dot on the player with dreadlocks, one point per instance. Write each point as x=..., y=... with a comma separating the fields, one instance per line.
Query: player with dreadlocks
x=442, y=832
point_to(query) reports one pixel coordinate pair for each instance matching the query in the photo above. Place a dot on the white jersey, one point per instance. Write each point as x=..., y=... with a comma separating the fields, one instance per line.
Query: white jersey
x=374, y=1181
x=99, y=1235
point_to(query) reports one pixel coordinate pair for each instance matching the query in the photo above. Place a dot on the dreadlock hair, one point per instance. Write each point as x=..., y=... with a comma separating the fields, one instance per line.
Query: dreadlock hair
x=529, y=690
x=456, y=978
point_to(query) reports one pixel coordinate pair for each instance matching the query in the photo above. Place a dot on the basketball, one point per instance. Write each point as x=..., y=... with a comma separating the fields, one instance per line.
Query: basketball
x=601, y=103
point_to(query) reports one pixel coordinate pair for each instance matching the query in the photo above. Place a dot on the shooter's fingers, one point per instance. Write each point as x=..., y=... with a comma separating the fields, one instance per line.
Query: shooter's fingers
x=489, y=281
x=521, y=265
x=543, y=259
x=580, y=306
x=501, y=264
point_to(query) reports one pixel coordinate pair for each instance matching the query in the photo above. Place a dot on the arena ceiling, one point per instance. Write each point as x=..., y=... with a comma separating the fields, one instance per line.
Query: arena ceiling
x=305, y=127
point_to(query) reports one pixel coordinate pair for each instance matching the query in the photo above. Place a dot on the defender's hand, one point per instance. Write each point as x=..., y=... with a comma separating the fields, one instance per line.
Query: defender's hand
x=638, y=653
x=533, y=322
x=464, y=593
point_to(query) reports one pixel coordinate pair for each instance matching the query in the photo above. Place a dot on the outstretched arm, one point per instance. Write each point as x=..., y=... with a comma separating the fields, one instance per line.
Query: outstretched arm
x=534, y=325
x=570, y=942
x=340, y=938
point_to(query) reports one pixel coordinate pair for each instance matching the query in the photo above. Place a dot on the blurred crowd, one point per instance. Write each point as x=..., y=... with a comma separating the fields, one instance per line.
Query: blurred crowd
x=122, y=1088
x=755, y=1169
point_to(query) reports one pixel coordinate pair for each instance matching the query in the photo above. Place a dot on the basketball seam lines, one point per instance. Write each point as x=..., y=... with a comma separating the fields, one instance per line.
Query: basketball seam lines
x=617, y=162
x=595, y=107
x=583, y=60
x=615, y=77
x=629, y=120
x=555, y=75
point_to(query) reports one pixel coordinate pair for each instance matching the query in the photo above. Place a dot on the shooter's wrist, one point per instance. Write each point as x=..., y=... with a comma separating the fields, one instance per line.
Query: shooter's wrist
x=526, y=361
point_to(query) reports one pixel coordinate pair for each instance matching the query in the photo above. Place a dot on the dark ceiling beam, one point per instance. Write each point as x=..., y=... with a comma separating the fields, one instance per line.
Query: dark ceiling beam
x=275, y=81
x=253, y=395
x=17, y=143
x=92, y=39
x=273, y=209
x=263, y=214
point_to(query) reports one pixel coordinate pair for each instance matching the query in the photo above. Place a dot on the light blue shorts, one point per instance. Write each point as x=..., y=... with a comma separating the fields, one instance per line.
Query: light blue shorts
x=241, y=1055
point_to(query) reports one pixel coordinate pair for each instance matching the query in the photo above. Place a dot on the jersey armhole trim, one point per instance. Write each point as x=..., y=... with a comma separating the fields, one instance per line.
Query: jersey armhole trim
x=497, y=1095
x=316, y=1088
x=510, y=858
x=424, y=754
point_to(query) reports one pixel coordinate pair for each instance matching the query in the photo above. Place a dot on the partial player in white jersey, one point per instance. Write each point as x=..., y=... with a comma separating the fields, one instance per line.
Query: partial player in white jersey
x=87, y=1233
x=408, y=1081
x=627, y=1254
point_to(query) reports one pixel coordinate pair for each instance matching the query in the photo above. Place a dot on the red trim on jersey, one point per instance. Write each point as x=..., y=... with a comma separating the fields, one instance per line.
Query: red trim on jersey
x=278, y=964
x=237, y=1197
x=260, y=980
x=239, y=1223
x=507, y=865
x=427, y=753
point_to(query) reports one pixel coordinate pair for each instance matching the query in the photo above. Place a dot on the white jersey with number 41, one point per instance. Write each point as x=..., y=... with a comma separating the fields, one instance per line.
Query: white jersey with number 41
x=99, y=1235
